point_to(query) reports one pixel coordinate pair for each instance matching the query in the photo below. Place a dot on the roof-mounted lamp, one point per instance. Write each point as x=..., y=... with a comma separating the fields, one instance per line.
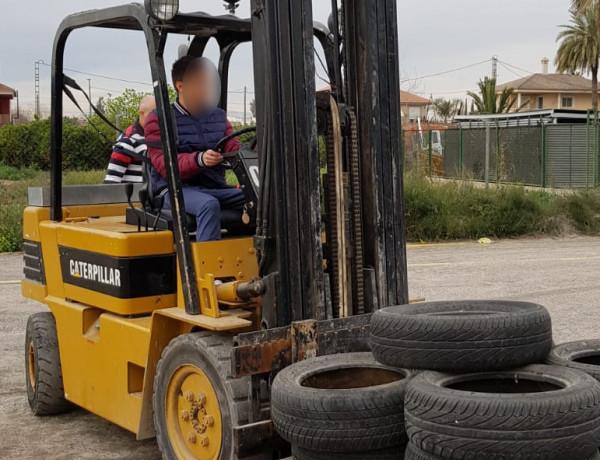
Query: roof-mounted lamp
x=162, y=10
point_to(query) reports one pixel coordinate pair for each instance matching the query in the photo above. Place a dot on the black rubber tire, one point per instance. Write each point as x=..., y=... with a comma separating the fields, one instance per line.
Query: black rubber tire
x=461, y=336
x=211, y=352
x=414, y=453
x=542, y=413
x=45, y=392
x=342, y=419
x=395, y=453
x=565, y=355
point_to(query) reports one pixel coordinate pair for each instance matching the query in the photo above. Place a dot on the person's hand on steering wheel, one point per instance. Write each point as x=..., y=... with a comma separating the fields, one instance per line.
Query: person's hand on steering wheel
x=210, y=158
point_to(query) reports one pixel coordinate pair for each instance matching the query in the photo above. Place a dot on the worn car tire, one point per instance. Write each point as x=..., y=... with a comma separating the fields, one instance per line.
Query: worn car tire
x=414, y=453
x=395, y=453
x=536, y=412
x=340, y=403
x=43, y=373
x=461, y=336
x=583, y=355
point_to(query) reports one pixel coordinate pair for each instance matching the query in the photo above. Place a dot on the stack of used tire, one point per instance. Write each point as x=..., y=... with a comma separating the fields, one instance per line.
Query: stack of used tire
x=341, y=407
x=483, y=394
x=476, y=390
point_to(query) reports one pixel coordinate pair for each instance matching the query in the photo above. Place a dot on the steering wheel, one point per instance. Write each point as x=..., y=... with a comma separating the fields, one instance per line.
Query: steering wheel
x=239, y=132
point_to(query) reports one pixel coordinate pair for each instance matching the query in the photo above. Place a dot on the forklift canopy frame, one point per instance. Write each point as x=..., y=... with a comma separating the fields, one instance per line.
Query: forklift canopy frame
x=229, y=32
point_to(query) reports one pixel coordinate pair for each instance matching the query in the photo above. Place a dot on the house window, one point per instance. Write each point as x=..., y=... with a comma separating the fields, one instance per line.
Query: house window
x=567, y=103
x=414, y=113
x=540, y=102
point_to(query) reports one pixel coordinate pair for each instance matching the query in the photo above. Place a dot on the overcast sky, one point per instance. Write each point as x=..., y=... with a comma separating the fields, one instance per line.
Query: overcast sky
x=435, y=36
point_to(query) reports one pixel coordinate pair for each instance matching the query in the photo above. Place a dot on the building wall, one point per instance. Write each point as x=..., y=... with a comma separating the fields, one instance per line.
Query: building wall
x=581, y=101
x=4, y=110
x=408, y=109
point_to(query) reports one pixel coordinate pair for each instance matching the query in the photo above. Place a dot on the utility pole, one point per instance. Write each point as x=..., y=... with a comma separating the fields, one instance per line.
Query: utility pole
x=37, y=88
x=18, y=116
x=495, y=68
x=90, y=93
x=487, y=153
x=245, y=98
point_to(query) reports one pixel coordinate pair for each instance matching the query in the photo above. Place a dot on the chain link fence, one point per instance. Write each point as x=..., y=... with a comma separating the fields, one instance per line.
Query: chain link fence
x=542, y=155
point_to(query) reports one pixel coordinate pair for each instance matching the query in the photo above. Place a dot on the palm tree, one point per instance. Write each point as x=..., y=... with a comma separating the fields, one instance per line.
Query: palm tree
x=579, y=48
x=445, y=108
x=488, y=102
x=579, y=6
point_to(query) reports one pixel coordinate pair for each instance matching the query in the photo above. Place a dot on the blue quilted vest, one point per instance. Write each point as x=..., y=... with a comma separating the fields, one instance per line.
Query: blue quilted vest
x=197, y=134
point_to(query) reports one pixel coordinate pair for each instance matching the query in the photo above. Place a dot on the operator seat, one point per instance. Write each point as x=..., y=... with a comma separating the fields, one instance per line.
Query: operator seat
x=231, y=220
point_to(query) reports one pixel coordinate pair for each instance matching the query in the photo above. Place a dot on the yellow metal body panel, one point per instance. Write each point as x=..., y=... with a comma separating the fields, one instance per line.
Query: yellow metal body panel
x=106, y=236
x=230, y=320
x=232, y=259
x=102, y=356
x=113, y=237
x=32, y=216
x=33, y=290
x=108, y=357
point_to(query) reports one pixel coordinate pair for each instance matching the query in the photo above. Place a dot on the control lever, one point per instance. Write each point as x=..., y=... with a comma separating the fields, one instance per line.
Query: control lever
x=129, y=193
x=143, y=195
x=160, y=202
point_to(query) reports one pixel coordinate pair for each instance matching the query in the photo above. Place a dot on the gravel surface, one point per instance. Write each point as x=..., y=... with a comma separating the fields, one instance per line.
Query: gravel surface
x=562, y=274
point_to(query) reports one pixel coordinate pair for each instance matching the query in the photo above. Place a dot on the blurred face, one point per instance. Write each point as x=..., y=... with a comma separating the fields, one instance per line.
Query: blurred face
x=147, y=105
x=200, y=89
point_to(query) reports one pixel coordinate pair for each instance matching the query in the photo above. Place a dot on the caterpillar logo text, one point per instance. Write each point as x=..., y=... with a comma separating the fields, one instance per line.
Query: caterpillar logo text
x=95, y=272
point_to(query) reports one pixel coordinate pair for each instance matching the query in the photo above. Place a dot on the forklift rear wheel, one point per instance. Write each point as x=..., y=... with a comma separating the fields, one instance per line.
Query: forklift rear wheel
x=45, y=392
x=196, y=402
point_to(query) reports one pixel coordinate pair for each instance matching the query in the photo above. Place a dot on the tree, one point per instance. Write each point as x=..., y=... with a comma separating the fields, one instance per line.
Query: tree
x=253, y=108
x=126, y=106
x=488, y=102
x=445, y=108
x=579, y=46
x=580, y=6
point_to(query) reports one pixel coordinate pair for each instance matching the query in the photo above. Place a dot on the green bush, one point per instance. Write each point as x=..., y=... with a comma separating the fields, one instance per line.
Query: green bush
x=462, y=210
x=28, y=145
x=14, y=174
x=11, y=228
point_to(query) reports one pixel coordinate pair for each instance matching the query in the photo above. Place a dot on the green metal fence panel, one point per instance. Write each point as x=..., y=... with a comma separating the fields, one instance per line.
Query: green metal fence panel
x=570, y=156
x=452, y=153
x=554, y=155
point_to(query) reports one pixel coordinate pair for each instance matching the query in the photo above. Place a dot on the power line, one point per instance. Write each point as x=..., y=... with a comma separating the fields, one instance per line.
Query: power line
x=101, y=76
x=510, y=70
x=446, y=71
x=516, y=67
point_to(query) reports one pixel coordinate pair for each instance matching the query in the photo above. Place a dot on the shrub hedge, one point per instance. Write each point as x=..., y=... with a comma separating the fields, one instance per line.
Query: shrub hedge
x=28, y=145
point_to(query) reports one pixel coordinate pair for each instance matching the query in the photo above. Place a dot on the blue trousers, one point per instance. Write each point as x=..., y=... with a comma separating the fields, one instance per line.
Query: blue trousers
x=206, y=204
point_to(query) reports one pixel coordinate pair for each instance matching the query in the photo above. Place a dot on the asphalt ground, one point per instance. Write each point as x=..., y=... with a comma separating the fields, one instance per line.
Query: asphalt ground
x=562, y=274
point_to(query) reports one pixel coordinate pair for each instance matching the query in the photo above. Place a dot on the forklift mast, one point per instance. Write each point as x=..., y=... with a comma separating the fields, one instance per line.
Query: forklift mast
x=370, y=251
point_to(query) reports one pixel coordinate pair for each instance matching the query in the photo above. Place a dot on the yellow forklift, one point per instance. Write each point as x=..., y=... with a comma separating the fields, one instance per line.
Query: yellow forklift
x=181, y=340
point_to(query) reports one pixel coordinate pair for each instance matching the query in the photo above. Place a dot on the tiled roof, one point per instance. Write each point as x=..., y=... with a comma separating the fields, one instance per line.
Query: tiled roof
x=549, y=82
x=407, y=98
x=6, y=91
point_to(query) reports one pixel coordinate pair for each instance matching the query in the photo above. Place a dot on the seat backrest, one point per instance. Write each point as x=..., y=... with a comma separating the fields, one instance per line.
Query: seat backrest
x=147, y=188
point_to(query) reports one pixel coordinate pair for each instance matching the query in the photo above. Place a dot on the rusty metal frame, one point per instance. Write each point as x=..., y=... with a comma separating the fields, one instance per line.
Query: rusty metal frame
x=271, y=350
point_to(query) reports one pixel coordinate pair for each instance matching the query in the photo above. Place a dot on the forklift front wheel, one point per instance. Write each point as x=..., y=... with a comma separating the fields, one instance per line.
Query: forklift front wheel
x=192, y=407
x=45, y=391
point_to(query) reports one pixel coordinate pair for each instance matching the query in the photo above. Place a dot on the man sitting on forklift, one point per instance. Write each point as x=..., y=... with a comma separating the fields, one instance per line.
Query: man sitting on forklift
x=200, y=126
